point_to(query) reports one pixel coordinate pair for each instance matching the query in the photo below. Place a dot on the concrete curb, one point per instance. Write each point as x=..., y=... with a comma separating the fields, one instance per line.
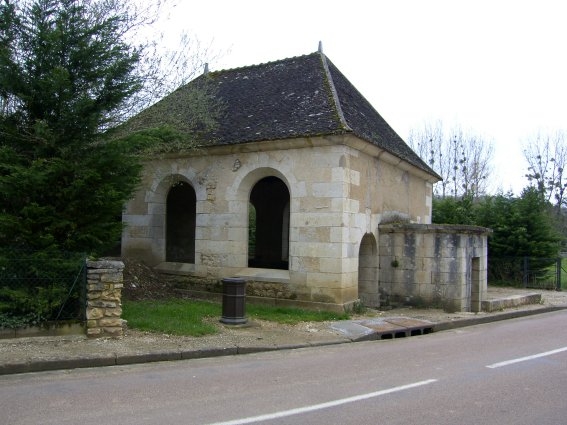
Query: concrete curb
x=444, y=326
x=161, y=356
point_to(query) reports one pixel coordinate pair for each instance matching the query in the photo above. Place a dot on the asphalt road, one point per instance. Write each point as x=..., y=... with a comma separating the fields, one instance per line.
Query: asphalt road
x=510, y=372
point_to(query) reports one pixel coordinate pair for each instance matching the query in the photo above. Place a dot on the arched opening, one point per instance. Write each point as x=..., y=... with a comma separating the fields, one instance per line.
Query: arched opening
x=180, y=223
x=368, y=272
x=268, y=244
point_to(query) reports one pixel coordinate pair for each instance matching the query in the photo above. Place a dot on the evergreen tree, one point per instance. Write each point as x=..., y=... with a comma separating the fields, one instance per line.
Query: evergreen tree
x=451, y=210
x=64, y=73
x=522, y=227
x=542, y=237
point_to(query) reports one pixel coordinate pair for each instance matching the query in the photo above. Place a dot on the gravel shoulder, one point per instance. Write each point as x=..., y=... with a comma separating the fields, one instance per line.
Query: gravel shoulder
x=18, y=354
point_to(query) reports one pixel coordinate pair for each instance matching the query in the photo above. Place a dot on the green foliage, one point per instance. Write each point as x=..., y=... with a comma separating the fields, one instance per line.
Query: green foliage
x=149, y=143
x=31, y=306
x=451, y=210
x=9, y=321
x=64, y=75
x=54, y=203
x=522, y=227
x=193, y=317
x=175, y=317
x=68, y=75
x=358, y=308
x=291, y=315
x=39, y=286
x=65, y=71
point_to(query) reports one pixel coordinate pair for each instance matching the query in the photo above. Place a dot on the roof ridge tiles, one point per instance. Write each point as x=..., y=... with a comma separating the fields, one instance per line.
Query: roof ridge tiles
x=261, y=64
x=334, y=93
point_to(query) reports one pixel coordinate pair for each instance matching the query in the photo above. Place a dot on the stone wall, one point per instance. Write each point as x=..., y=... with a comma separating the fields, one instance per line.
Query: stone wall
x=339, y=188
x=433, y=265
x=104, y=299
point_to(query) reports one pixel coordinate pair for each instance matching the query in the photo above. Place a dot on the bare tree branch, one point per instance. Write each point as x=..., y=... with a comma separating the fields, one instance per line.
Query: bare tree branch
x=546, y=155
x=168, y=60
x=461, y=158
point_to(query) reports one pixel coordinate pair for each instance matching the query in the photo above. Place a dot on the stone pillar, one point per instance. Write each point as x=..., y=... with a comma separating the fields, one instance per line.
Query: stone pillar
x=104, y=299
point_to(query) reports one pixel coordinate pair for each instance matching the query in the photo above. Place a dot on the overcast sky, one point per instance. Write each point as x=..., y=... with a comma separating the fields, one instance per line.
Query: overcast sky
x=497, y=68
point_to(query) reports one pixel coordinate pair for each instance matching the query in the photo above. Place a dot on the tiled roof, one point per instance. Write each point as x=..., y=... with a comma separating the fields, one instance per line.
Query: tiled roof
x=368, y=124
x=304, y=96
x=276, y=100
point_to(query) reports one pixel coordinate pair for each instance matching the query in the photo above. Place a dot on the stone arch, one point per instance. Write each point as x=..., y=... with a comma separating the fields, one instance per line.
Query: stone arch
x=160, y=186
x=240, y=192
x=180, y=221
x=242, y=187
x=156, y=198
x=368, y=272
x=270, y=199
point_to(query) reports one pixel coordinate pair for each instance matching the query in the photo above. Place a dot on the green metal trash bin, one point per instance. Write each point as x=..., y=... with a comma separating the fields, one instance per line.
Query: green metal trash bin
x=233, y=301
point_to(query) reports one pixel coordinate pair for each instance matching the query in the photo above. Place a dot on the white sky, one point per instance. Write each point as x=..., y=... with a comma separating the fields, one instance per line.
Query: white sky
x=495, y=67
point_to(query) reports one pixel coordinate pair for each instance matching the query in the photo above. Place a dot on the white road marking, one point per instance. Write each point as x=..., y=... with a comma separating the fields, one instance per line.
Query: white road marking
x=334, y=403
x=523, y=359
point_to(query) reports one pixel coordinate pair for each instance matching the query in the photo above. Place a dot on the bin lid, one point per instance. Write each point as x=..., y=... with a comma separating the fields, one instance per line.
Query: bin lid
x=233, y=280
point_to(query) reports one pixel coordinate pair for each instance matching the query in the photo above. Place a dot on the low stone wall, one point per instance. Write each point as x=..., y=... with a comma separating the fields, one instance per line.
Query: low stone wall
x=184, y=281
x=104, y=299
x=433, y=265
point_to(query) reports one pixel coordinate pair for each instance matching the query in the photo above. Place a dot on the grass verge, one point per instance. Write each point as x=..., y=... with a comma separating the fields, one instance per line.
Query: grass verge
x=290, y=315
x=174, y=317
x=189, y=317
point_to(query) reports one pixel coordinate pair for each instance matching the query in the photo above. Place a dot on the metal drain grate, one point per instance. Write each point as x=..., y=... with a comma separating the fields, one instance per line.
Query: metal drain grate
x=404, y=333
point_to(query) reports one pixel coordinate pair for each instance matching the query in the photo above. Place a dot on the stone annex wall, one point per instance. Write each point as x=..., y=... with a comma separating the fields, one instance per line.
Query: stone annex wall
x=104, y=299
x=433, y=265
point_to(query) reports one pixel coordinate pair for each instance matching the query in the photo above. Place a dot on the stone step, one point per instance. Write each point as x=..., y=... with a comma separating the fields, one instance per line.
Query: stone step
x=510, y=301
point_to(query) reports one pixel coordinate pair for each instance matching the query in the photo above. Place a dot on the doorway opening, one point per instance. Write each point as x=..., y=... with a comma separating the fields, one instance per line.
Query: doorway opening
x=268, y=224
x=181, y=213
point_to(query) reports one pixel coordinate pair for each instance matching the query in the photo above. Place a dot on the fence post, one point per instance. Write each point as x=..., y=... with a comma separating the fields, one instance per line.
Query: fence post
x=525, y=279
x=558, y=280
x=104, y=299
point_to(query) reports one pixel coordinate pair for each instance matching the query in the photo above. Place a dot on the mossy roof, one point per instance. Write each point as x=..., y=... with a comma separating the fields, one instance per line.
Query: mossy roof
x=304, y=96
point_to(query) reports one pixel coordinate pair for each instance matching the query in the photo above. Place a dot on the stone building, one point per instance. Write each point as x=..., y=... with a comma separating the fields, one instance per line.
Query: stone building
x=292, y=194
